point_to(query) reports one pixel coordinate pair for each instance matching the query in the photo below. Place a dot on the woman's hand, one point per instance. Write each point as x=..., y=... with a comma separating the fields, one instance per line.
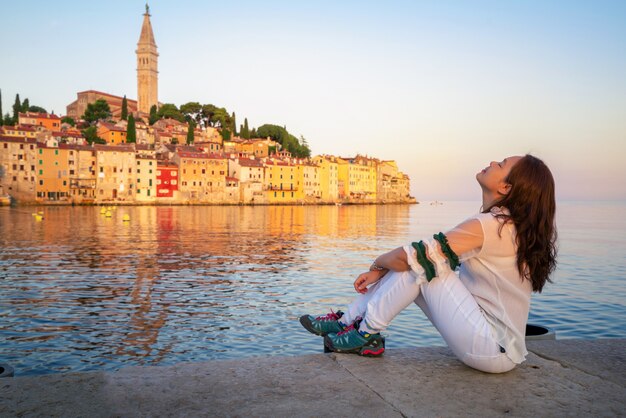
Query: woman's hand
x=367, y=278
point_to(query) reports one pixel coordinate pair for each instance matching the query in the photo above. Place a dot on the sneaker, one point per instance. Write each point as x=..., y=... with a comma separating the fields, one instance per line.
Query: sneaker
x=323, y=324
x=351, y=340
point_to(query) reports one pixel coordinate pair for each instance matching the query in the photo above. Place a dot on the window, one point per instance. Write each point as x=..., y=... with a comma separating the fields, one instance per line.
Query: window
x=71, y=172
x=158, y=172
x=138, y=171
x=40, y=172
x=56, y=152
x=41, y=182
x=174, y=182
x=174, y=173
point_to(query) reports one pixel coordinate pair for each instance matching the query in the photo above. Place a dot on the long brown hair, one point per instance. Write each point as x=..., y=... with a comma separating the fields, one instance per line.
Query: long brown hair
x=531, y=206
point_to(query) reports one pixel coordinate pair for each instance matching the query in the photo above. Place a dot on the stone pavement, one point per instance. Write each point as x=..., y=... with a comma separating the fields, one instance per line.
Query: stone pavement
x=560, y=378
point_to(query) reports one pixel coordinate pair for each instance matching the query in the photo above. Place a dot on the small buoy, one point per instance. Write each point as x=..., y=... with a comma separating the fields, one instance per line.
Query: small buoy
x=38, y=217
x=103, y=210
x=108, y=214
x=126, y=218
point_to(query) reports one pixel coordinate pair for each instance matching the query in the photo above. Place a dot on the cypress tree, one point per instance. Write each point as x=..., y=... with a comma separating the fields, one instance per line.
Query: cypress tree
x=234, y=124
x=1, y=119
x=245, y=132
x=131, y=130
x=17, y=107
x=124, y=108
x=25, y=105
x=190, y=133
x=153, y=115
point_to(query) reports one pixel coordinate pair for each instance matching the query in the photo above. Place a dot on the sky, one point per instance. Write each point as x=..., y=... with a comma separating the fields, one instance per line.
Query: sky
x=441, y=87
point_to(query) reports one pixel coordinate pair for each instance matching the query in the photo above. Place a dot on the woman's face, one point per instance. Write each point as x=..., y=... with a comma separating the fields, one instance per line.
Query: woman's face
x=492, y=178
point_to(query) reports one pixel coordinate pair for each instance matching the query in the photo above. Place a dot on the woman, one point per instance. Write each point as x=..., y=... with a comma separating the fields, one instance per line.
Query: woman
x=506, y=252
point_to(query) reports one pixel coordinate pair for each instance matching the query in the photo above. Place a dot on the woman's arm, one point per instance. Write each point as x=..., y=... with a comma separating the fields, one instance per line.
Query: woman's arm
x=465, y=240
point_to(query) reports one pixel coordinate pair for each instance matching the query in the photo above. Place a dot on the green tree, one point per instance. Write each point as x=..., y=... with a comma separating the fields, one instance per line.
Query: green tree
x=38, y=109
x=226, y=134
x=233, y=121
x=131, y=130
x=153, y=115
x=285, y=139
x=25, y=105
x=253, y=133
x=68, y=120
x=1, y=119
x=91, y=135
x=124, y=108
x=98, y=110
x=192, y=111
x=245, y=131
x=17, y=108
x=169, y=110
x=190, y=131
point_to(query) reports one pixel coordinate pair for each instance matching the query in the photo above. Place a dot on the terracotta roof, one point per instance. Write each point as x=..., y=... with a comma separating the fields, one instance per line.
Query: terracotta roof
x=184, y=154
x=108, y=95
x=4, y=138
x=247, y=162
x=166, y=164
x=232, y=179
x=38, y=115
x=120, y=148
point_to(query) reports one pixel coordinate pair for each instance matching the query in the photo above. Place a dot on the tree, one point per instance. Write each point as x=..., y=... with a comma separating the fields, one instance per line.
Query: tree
x=8, y=120
x=190, y=131
x=96, y=111
x=192, y=111
x=1, y=120
x=38, y=109
x=124, y=108
x=25, y=105
x=233, y=121
x=153, y=115
x=245, y=131
x=169, y=110
x=131, y=130
x=17, y=107
x=226, y=134
x=91, y=135
x=68, y=120
x=287, y=141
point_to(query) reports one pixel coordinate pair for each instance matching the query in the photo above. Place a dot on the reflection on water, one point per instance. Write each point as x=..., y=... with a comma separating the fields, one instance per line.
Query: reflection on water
x=79, y=291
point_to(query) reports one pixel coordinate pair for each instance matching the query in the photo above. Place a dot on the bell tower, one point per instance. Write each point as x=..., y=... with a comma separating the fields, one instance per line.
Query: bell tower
x=147, y=67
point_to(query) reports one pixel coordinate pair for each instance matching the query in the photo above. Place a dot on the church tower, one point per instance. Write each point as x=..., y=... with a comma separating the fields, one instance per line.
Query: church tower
x=147, y=61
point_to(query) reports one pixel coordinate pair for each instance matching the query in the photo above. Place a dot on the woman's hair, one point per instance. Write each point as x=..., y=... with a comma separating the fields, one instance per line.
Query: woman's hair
x=531, y=206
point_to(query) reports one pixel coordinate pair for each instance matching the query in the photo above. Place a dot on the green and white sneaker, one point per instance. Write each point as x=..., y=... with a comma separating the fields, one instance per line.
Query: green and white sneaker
x=351, y=340
x=323, y=324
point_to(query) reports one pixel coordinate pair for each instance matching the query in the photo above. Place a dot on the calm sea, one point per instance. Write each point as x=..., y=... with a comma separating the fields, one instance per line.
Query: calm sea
x=80, y=291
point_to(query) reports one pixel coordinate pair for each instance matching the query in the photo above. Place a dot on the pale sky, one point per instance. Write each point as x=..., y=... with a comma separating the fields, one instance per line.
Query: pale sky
x=442, y=87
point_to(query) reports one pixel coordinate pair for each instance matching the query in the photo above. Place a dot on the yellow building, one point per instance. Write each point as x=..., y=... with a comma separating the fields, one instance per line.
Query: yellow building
x=115, y=173
x=309, y=181
x=202, y=177
x=357, y=179
x=328, y=174
x=18, y=165
x=281, y=180
x=392, y=185
x=146, y=178
x=52, y=173
x=19, y=131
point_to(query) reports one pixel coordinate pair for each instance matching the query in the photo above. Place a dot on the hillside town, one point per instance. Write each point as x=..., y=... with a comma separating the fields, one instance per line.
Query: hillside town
x=135, y=154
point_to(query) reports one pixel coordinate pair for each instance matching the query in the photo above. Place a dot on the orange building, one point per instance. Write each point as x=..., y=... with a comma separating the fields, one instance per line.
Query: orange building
x=52, y=173
x=113, y=135
x=48, y=121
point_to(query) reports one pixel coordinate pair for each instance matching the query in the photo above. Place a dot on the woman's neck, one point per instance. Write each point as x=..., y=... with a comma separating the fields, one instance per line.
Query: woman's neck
x=489, y=199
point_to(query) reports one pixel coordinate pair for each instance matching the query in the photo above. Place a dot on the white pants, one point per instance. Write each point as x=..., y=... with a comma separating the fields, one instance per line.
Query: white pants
x=448, y=305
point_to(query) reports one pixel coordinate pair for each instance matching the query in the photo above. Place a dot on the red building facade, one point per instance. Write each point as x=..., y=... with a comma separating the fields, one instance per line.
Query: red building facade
x=167, y=179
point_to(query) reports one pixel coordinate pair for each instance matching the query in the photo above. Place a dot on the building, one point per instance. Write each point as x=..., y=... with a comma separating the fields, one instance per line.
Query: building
x=147, y=67
x=250, y=173
x=115, y=173
x=281, y=182
x=146, y=178
x=308, y=181
x=76, y=109
x=82, y=172
x=48, y=121
x=112, y=134
x=357, y=178
x=328, y=173
x=18, y=165
x=167, y=181
x=52, y=172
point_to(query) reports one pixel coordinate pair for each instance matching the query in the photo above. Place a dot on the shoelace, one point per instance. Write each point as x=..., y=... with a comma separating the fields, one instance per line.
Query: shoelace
x=346, y=329
x=332, y=316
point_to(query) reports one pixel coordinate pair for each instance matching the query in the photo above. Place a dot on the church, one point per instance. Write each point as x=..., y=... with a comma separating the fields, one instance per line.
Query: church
x=147, y=81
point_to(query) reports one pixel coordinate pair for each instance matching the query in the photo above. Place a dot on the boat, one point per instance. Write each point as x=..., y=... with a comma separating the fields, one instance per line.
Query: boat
x=436, y=203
